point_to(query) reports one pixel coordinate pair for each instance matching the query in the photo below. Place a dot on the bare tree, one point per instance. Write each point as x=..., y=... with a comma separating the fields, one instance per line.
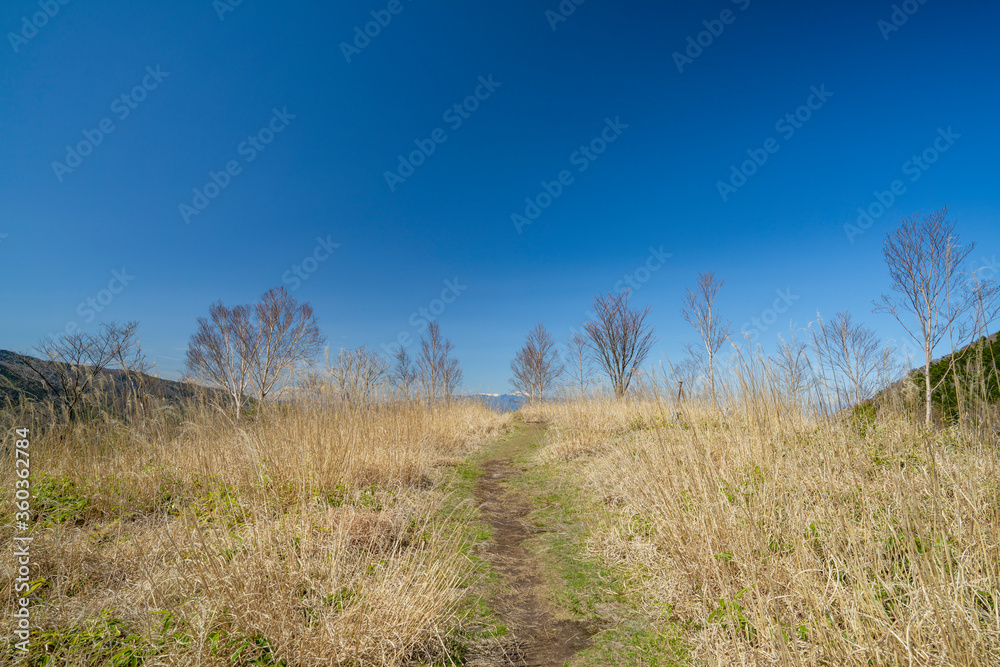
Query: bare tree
x=429, y=362
x=287, y=335
x=851, y=357
x=404, y=373
x=135, y=371
x=619, y=338
x=451, y=373
x=536, y=365
x=440, y=373
x=357, y=373
x=792, y=362
x=578, y=362
x=253, y=349
x=925, y=263
x=221, y=352
x=699, y=312
x=76, y=360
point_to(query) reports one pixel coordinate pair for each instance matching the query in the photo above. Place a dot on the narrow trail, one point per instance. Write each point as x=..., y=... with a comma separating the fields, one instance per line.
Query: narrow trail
x=540, y=639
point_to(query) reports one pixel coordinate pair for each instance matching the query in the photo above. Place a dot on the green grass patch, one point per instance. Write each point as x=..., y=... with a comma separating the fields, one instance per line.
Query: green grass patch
x=634, y=644
x=58, y=500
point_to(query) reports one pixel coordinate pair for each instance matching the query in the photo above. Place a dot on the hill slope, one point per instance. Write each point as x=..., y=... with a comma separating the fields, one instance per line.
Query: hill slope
x=974, y=377
x=19, y=382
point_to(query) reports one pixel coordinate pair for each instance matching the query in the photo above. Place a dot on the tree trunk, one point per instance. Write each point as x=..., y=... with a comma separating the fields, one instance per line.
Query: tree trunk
x=711, y=377
x=927, y=390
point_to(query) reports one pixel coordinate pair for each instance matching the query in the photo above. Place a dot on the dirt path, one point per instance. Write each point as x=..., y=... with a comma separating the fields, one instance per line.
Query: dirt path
x=539, y=637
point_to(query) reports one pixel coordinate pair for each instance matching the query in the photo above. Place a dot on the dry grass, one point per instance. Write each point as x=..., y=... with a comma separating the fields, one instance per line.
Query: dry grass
x=309, y=533
x=791, y=540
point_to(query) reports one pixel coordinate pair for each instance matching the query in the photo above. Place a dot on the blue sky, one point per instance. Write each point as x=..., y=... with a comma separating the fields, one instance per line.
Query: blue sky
x=208, y=86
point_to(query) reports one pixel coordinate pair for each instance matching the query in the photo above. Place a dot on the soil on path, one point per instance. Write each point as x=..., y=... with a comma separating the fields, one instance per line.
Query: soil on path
x=539, y=638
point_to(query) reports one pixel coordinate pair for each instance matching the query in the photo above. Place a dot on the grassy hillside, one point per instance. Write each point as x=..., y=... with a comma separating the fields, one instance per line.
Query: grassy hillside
x=970, y=379
x=18, y=382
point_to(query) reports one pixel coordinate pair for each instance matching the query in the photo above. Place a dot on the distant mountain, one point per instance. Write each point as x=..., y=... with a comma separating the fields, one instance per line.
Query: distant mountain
x=499, y=402
x=18, y=382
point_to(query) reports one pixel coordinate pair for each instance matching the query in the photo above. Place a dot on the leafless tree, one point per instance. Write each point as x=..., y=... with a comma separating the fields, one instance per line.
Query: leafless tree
x=135, y=370
x=536, y=365
x=851, y=357
x=451, y=373
x=221, y=352
x=792, y=362
x=358, y=373
x=699, y=312
x=578, y=363
x=440, y=373
x=287, y=335
x=76, y=360
x=250, y=350
x=925, y=261
x=404, y=373
x=619, y=338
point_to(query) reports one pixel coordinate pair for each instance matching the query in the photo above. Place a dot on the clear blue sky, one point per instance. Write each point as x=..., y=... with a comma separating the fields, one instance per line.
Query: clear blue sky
x=212, y=83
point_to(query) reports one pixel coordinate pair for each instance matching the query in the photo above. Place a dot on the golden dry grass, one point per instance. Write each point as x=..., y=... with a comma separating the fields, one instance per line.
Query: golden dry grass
x=791, y=540
x=309, y=533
